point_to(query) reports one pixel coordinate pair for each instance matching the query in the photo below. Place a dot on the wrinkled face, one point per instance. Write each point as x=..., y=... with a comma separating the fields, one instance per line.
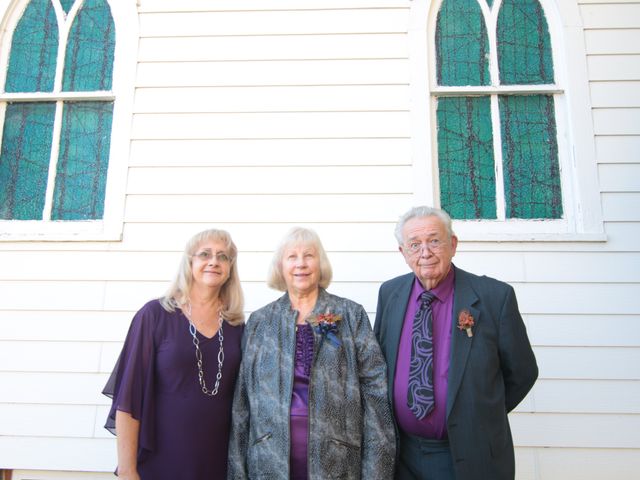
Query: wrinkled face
x=301, y=269
x=210, y=264
x=427, y=249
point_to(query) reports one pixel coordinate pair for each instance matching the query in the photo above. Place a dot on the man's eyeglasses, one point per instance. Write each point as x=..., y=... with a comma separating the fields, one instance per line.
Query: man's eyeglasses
x=206, y=255
x=435, y=245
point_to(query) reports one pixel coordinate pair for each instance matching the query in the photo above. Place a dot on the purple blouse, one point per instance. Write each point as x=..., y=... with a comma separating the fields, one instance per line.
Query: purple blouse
x=183, y=432
x=300, y=402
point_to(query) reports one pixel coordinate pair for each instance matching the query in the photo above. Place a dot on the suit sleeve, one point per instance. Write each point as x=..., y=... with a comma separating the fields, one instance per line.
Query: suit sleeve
x=517, y=360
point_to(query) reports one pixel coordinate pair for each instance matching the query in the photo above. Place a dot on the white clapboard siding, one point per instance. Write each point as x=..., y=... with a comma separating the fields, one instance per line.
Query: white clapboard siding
x=619, y=177
x=276, y=47
x=607, y=41
x=75, y=421
x=593, y=330
x=307, y=98
x=156, y=6
x=276, y=72
x=576, y=430
x=586, y=396
x=614, y=67
x=62, y=388
x=269, y=180
x=271, y=125
x=617, y=149
x=274, y=22
x=615, y=94
x=602, y=16
x=621, y=207
x=265, y=208
x=597, y=363
x=620, y=121
x=273, y=152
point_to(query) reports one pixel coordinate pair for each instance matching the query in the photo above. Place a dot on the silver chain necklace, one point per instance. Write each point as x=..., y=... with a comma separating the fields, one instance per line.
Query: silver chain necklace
x=196, y=342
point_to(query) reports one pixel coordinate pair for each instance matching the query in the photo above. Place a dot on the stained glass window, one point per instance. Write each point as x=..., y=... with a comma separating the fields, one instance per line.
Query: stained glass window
x=54, y=155
x=486, y=172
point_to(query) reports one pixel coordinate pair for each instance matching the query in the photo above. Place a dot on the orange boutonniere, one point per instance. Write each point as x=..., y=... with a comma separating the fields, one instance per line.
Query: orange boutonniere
x=326, y=324
x=465, y=322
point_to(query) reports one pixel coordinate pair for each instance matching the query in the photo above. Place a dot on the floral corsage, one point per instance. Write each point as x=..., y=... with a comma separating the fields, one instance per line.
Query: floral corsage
x=465, y=322
x=326, y=324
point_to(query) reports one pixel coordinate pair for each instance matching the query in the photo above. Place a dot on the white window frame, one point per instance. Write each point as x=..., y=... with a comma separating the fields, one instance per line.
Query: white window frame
x=582, y=215
x=110, y=227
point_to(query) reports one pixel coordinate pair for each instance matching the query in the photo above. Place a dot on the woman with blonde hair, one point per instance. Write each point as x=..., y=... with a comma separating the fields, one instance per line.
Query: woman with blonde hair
x=173, y=384
x=311, y=398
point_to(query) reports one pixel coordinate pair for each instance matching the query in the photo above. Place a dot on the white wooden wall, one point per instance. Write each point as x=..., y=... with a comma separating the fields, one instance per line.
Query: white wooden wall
x=255, y=115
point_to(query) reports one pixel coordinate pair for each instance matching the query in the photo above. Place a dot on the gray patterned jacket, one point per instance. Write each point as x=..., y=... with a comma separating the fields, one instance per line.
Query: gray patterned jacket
x=351, y=432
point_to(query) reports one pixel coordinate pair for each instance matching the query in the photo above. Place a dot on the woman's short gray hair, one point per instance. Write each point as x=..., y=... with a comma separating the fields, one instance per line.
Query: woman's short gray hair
x=298, y=236
x=421, y=212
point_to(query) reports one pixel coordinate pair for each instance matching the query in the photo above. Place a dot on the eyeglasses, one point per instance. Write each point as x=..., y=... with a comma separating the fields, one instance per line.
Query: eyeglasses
x=435, y=245
x=207, y=255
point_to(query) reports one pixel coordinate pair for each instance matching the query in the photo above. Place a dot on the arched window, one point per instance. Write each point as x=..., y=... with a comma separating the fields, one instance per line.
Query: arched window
x=57, y=112
x=500, y=149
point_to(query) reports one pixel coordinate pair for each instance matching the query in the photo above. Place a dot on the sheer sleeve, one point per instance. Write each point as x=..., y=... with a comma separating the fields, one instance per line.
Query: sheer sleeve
x=131, y=384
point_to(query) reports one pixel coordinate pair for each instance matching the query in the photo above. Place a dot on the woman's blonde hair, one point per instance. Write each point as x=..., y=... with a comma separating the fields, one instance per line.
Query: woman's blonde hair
x=231, y=295
x=298, y=236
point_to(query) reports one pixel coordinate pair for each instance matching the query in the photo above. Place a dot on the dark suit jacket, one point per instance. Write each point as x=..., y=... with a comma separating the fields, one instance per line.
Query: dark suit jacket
x=489, y=373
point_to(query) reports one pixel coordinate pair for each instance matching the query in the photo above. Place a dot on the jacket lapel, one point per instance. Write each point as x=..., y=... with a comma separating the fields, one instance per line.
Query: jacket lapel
x=397, y=308
x=464, y=298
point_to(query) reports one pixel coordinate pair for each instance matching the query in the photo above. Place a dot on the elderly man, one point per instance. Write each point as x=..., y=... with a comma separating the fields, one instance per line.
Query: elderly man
x=459, y=359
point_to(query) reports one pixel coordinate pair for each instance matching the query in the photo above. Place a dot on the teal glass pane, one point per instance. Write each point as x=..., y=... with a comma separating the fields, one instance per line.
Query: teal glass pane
x=462, y=44
x=530, y=157
x=89, y=56
x=83, y=161
x=465, y=157
x=67, y=4
x=524, y=44
x=34, y=47
x=490, y=3
x=24, y=160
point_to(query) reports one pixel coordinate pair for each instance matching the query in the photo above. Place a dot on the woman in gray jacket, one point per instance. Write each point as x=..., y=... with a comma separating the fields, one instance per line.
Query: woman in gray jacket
x=311, y=396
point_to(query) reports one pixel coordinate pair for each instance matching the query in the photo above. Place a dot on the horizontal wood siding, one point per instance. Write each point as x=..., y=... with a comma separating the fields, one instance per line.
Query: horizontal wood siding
x=257, y=115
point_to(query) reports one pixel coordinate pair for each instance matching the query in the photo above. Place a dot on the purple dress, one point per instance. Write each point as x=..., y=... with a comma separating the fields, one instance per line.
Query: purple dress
x=300, y=402
x=183, y=432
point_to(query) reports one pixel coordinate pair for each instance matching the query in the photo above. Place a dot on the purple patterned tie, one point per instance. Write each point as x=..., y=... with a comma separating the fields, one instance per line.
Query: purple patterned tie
x=420, y=398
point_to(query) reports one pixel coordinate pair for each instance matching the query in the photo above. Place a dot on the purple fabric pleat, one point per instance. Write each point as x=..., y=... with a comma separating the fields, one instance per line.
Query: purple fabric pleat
x=300, y=402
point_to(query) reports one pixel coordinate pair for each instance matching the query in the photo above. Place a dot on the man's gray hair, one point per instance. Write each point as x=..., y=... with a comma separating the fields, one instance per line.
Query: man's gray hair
x=421, y=212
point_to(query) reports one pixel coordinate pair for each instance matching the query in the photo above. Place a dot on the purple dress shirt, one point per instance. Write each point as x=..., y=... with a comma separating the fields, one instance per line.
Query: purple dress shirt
x=433, y=425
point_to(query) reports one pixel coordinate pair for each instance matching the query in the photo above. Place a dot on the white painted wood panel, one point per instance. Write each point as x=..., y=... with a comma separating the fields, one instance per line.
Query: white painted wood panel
x=586, y=396
x=608, y=16
x=59, y=475
x=276, y=72
x=31, y=356
x=87, y=326
x=271, y=125
x=337, y=98
x=613, y=67
x=615, y=94
x=274, y=22
x=588, y=463
x=618, y=149
x=589, y=363
x=235, y=5
x=269, y=180
x=47, y=420
x=621, y=207
x=265, y=208
x=576, y=430
x=277, y=47
x=619, y=177
x=272, y=152
x=593, y=331
x=575, y=299
x=616, y=121
x=52, y=295
x=56, y=388
x=608, y=41
x=582, y=267
x=252, y=237
x=58, y=453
